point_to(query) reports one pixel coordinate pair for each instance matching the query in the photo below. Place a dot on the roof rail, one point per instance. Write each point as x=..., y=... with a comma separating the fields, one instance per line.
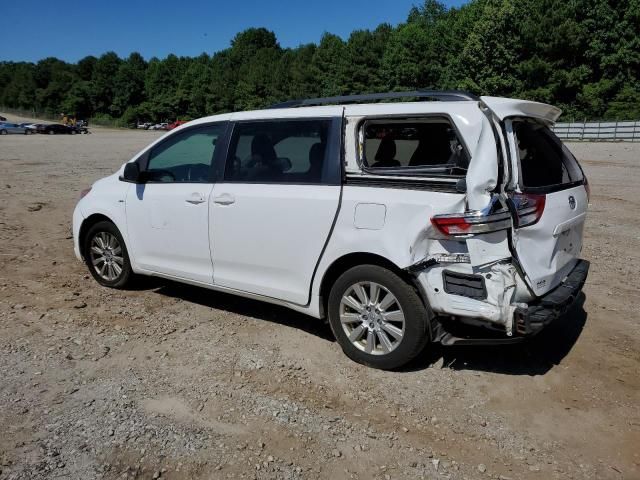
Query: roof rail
x=441, y=95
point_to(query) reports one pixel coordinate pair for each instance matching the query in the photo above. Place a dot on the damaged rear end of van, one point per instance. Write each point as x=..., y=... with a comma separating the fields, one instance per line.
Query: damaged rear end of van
x=506, y=262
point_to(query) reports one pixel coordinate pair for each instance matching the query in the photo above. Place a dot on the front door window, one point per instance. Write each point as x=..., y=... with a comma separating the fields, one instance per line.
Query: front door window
x=185, y=157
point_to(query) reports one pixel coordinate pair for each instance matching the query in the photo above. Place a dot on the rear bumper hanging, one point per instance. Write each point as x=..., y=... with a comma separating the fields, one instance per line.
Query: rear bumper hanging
x=531, y=319
x=544, y=310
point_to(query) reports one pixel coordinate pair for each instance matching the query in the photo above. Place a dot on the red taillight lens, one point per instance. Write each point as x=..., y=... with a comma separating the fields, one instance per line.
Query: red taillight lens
x=451, y=225
x=529, y=207
x=84, y=193
x=471, y=223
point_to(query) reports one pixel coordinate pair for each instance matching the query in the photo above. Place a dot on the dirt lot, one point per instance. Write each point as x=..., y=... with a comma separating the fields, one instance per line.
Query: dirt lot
x=177, y=382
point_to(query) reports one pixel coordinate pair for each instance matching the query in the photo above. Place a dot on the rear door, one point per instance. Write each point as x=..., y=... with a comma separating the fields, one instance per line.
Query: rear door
x=273, y=210
x=551, y=200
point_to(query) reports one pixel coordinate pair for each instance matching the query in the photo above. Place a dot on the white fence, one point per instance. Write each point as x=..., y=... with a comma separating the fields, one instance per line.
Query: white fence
x=599, y=131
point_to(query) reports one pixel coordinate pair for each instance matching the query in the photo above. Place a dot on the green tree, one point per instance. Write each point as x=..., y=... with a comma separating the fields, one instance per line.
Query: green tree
x=581, y=55
x=78, y=100
x=54, y=78
x=491, y=50
x=104, y=72
x=20, y=90
x=329, y=65
x=297, y=80
x=194, y=88
x=128, y=84
x=364, y=53
x=626, y=104
x=85, y=67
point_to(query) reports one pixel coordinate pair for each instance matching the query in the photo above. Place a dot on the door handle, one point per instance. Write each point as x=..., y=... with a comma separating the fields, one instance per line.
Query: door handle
x=224, y=199
x=195, y=198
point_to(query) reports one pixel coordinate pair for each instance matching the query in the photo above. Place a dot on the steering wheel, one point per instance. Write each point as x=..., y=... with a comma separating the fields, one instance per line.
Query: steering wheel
x=156, y=175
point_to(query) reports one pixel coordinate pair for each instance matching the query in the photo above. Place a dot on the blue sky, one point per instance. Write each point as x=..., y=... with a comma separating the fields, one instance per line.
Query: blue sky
x=71, y=29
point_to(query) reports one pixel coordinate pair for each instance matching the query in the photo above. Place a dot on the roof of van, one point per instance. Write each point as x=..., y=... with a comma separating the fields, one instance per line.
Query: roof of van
x=448, y=101
x=441, y=95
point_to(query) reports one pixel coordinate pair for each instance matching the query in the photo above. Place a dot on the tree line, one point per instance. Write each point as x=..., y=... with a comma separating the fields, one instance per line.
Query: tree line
x=581, y=55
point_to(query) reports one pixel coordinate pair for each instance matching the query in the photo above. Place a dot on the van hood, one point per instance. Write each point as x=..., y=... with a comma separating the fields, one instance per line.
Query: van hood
x=507, y=107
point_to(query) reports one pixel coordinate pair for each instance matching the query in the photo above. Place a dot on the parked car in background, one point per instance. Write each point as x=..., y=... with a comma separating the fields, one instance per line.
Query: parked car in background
x=13, y=128
x=175, y=124
x=159, y=126
x=2, y=119
x=56, y=128
x=457, y=220
x=144, y=126
x=29, y=125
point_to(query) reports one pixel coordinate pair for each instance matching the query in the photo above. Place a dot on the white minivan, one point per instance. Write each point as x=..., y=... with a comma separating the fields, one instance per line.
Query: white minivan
x=438, y=216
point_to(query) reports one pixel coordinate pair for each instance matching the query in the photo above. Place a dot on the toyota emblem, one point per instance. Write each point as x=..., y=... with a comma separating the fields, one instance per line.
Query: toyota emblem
x=572, y=202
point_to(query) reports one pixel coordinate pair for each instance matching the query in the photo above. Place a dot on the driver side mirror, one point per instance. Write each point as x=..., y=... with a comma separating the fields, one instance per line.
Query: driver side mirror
x=131, y=173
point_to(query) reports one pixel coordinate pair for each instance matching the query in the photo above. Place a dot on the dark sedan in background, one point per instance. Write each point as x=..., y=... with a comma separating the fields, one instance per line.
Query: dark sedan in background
x=56, y=128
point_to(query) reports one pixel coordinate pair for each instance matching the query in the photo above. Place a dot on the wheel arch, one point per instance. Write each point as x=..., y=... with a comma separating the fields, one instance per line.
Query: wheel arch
x=87, y=223
x=345, y=262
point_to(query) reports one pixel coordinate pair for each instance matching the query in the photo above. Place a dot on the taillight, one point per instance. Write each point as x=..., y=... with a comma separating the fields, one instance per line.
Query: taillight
x=471, y=223
x=84, y=193
x=529, y=208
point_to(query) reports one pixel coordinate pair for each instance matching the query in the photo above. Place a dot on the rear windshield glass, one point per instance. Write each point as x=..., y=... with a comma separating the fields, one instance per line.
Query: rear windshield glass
x=412, y=147
x=544, y=160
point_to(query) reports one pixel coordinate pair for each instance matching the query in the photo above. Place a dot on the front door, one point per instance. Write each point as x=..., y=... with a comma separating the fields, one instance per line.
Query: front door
x=168, y=214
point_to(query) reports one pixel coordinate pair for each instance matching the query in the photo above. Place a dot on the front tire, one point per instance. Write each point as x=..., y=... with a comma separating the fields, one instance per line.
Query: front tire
x=377, y=317
x=106, y=255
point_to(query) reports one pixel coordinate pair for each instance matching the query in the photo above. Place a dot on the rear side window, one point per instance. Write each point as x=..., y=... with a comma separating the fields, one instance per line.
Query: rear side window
x=413, y=146
x=279, y=151
x=544, y=160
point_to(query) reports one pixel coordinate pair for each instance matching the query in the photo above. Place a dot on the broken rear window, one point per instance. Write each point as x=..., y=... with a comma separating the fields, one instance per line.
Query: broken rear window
x=429, y=146
x=544, y=160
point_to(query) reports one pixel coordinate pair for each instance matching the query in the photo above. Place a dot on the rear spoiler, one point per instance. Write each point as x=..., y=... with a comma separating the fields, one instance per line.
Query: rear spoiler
x=506, y=107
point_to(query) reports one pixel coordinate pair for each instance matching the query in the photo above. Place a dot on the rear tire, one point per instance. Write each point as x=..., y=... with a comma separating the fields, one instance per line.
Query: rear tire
x=3, y=132
x=106, y=256
x=51, y=132
x=377, y=317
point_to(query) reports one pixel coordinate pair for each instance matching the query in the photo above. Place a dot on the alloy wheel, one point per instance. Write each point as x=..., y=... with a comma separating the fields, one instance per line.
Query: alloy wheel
x=106, y=256
x=372, y=318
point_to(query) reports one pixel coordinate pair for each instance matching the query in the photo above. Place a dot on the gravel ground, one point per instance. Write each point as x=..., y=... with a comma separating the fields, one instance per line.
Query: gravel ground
x=171, y=381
